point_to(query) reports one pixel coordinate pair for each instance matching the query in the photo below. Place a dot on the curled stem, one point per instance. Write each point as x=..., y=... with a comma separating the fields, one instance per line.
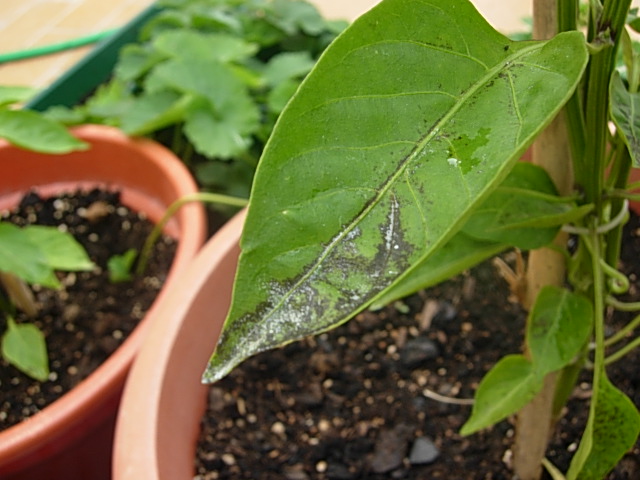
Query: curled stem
x=205, y=197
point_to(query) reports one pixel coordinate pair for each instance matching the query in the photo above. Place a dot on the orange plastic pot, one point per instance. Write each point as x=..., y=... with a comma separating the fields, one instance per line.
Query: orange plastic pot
x=164, y=400
x=72, y=438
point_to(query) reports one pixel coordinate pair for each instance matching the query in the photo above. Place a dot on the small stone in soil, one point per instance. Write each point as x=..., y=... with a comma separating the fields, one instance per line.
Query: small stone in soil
x=417, y=351
x=423, y=451
x=390, y=449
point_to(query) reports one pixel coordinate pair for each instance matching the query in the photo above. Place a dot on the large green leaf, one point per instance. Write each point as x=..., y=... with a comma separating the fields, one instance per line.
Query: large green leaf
x=411, y=117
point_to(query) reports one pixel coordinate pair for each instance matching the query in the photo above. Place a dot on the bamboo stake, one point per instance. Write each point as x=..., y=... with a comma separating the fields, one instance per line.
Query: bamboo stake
x=551, y=151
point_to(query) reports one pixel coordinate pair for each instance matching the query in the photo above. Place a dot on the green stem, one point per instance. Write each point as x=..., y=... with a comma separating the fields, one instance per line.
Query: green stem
x=206, y=197
x=614, y=357
x=608, y=28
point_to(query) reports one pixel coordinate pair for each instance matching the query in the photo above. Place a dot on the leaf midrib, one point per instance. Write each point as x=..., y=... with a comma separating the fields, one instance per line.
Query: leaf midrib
x=413, y=155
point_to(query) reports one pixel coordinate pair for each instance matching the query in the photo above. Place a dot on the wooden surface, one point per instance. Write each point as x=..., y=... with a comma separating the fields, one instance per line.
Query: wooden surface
x=25, y=24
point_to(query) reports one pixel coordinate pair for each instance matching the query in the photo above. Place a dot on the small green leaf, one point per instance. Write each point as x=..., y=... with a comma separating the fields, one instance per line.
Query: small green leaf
x=214, y=46
x=625, y=111
x=24, y=258
x=10, y=94
x=288, y=65
x=120, y=266
x=24, y=346
x=33, y=131
x=33, y=253
x=509, y=386
x=154, y=110
x=293, y=15
x=612, y=430
x=135, y=61
x=559, y=327
x=60, y=249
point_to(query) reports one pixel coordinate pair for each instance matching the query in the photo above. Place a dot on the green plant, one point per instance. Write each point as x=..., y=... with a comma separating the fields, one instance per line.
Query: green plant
x=32, y=254
x=395, y=166
x=209, y=78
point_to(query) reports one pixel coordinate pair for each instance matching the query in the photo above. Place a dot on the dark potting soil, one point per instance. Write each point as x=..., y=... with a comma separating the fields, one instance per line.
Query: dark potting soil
x=357, y=402
x=89, y=317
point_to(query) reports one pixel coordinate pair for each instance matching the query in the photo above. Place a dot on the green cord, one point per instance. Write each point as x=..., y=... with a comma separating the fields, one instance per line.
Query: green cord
x=55, y=47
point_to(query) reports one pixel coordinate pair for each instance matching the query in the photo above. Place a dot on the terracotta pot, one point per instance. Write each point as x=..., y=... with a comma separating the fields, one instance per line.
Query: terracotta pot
x=164, y=400
x=72, y=438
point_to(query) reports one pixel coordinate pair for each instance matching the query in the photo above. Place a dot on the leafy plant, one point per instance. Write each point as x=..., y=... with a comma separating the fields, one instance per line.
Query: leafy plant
x=209, y=78
x=395, y=165
x=32, y=254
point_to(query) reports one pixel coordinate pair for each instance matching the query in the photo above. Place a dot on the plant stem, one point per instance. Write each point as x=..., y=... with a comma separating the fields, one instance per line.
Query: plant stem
x=545, y=267
x=206, y=197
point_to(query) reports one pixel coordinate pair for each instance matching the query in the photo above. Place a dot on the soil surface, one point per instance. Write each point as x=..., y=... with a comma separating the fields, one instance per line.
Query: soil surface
x=90, y=317
x=357, y=402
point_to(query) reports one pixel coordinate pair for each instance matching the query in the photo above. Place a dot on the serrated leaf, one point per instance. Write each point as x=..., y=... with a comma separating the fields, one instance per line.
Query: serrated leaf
x=509, y=386
x=223, y=132
x=410, y=119
x=612, y=430
x=293, y=15
x=287, y=65
x=212, y=46
x=625, y=112
x=558, y=329
x=135, y=61
x=23, y=346
x=33, y=131
x=154, y=110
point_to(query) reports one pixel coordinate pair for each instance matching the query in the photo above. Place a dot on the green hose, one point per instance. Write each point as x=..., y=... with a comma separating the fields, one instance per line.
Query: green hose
x=56, y=47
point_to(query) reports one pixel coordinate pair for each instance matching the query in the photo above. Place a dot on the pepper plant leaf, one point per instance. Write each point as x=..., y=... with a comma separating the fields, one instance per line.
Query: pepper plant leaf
x=612, y=429
x=408, y=121
x=509, y=386
x=23, y=346
x=559, y=328
x=525, y=211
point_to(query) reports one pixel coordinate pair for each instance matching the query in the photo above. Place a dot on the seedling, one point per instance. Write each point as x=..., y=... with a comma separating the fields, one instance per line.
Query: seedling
x=32, y=254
